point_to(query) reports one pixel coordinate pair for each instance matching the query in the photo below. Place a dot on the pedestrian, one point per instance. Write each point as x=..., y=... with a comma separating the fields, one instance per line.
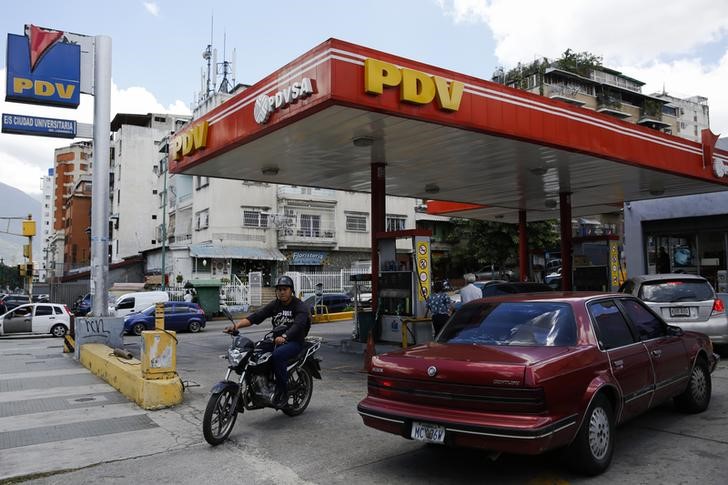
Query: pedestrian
x=663, y=261
x=294, y=315
x=470, y=292
x=188, y=296
x=439, y=305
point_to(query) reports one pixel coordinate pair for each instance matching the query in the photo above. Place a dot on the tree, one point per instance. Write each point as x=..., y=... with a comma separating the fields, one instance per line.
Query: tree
x=479, y=243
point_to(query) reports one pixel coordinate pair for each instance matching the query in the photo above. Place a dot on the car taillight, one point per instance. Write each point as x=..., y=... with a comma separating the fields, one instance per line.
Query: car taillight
x=65, y=307
x=199, y=309
x=718, y=306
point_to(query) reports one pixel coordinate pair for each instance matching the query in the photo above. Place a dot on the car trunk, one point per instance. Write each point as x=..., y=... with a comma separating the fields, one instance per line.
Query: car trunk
x=684, y=311
x=468, y=377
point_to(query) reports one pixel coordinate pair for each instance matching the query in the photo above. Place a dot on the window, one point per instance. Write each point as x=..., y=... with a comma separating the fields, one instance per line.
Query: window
x=648, y=326
x=57, y=310
x=356, y=222
x=126, y=304
x=202, y=219
x=310, y=225
x=396, y=223
x=160, y=119
x=201, y=181
x=612, y=329
x=254, y=217
x=43, y=310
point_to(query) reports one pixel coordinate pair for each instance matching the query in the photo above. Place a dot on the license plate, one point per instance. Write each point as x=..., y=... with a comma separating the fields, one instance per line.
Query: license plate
x=430, y=433
x=680, y=311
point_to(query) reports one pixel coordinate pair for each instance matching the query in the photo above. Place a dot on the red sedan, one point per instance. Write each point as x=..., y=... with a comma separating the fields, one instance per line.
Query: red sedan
x=530, y=373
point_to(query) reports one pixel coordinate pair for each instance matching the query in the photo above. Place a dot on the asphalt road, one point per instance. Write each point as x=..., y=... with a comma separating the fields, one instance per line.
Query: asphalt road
x=328, y=444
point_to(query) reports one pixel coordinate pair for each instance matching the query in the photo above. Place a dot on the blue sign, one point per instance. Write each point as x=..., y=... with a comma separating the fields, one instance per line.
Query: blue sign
x=311, y=258
x=52, y=79
x=32, y=125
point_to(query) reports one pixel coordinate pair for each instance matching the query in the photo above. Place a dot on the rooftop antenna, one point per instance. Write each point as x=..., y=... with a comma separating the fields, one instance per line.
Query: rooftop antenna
x=207, y=55
x=224, y=68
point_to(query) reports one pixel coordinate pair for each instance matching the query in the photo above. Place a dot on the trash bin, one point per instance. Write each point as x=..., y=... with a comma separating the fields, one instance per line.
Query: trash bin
x=364, y=324
x=208, y=295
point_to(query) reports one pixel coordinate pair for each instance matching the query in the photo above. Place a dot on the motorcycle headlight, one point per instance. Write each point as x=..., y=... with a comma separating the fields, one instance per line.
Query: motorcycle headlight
x=235, y=356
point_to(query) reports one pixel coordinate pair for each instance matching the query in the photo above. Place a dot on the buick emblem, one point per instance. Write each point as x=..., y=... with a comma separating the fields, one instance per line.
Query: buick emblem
x=432, y=371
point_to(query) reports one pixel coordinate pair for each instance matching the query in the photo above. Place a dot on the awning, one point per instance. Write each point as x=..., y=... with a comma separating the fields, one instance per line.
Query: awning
x=235, y=252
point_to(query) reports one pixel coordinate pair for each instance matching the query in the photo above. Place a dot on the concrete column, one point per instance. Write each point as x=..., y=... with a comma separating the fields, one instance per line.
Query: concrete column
x=522, y=246
x=566, y=256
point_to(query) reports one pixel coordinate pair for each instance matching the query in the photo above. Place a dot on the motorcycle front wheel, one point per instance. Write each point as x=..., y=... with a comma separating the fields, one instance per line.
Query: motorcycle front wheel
x=300, y=389
x=220, y=416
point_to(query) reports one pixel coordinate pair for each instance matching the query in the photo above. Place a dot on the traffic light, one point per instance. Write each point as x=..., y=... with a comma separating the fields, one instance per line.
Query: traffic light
x=29, y=227
x=29, y=269
x=26, y=250
x=22, y=270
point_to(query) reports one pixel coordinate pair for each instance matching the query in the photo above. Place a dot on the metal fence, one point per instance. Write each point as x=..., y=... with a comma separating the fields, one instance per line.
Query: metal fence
x=331, y=282
x=232, y=293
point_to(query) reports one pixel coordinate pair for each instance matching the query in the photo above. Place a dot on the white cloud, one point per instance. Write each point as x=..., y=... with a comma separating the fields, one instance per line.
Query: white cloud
x=24, y=159
x=152, y=8
x=655, y=41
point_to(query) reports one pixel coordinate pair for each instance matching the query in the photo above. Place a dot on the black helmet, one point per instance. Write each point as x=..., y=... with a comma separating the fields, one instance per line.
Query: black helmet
x=284, y=281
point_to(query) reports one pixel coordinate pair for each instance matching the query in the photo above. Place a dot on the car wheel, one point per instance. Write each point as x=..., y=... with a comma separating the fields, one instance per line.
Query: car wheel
x=138, y=328
x=59, y=330
x=696, y=397
x=194, y=326
x=591, y=451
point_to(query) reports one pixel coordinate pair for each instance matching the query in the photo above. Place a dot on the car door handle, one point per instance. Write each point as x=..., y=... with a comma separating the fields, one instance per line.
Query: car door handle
x=618, y=364
x=51, y=318
x=656, y=353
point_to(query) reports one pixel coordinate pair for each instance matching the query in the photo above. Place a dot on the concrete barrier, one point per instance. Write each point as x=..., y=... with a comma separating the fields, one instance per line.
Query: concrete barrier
x=332, y=317
x=126, y=377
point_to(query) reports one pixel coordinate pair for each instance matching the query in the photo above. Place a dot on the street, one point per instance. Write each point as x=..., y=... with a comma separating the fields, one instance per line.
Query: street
x=55, y=415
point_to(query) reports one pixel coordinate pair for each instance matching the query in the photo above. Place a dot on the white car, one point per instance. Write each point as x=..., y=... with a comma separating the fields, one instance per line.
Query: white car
x=37, y=318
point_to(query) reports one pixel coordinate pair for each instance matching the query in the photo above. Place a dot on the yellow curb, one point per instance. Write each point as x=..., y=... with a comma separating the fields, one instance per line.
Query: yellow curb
x=332, y=317
x=126, y=377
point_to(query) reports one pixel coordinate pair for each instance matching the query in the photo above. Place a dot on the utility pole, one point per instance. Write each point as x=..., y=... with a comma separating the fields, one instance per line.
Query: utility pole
x=29, y=232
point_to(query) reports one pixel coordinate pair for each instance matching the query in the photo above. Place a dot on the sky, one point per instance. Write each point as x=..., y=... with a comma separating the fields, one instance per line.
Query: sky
x=675, y=45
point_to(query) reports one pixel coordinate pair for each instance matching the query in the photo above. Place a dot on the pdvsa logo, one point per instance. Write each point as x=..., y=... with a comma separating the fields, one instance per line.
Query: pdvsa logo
x=192, y=140
x=43, y=68
x=266, y=105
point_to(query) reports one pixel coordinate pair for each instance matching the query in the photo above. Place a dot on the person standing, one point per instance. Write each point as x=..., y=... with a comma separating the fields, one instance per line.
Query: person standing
x=470, y=292
x=662, y=264
x=188, y=296
x=439, y=305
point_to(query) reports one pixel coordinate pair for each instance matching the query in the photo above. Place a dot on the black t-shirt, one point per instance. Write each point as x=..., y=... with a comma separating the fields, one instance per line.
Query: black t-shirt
x=295, y=316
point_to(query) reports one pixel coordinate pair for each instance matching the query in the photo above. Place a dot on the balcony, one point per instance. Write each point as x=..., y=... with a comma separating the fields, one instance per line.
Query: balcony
x=611, y=105
x=565, y=93
x=297, y=235
x=306, y=193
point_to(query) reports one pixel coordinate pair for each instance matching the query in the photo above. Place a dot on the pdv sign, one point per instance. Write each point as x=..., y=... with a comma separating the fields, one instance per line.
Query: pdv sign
x=42, y=70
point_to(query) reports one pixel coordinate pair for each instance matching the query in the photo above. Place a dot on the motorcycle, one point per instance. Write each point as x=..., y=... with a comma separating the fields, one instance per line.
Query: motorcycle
x=255, y=387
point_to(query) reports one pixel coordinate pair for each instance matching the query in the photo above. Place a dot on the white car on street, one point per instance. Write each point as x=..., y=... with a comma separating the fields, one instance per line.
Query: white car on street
x=40, y=318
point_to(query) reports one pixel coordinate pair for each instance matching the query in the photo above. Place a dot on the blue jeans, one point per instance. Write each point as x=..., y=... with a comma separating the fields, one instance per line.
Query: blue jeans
x=281, y=355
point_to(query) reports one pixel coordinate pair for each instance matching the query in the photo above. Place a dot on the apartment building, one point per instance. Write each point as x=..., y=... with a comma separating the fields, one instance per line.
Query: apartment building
x=47, y=184
x=77, y=222
x=693, y=115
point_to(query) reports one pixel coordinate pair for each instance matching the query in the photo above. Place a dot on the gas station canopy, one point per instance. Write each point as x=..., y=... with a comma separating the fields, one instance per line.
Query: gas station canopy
x=323, y=119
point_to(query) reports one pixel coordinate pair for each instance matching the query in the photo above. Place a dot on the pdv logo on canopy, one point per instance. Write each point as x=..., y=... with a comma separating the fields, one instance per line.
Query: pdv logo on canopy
x=43, y=69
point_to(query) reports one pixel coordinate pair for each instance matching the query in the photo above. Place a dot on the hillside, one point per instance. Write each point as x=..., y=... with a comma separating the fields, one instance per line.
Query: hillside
x=16, y=203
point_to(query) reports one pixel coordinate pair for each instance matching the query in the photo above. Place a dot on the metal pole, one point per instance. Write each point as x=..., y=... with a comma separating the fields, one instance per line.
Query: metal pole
x=164, y=219
x=100, y=192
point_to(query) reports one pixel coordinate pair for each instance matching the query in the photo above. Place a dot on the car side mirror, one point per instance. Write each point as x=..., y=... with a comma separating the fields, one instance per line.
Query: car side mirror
x=675, y=331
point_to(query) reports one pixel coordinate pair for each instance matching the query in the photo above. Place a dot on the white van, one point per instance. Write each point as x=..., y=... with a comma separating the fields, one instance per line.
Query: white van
x=138, y=301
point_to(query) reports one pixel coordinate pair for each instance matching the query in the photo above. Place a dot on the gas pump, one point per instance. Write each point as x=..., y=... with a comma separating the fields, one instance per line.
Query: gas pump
x=404, y=285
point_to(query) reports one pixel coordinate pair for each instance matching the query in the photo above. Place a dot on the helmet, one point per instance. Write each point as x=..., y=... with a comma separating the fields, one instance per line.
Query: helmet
x=285, y=281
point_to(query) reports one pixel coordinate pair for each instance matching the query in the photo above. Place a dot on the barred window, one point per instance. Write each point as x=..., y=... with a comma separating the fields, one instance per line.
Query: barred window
x=356, y=222
x=396, y=223
x=254, y=218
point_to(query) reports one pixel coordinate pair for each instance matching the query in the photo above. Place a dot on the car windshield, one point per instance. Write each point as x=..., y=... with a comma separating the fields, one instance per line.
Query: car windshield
x=512, y=323
x=671, y=291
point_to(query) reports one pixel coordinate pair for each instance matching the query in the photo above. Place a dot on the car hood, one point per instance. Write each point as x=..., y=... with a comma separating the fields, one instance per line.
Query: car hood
x=464, y=363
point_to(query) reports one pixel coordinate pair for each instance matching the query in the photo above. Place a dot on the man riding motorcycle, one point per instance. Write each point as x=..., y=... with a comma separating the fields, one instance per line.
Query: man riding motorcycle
x=295, y=315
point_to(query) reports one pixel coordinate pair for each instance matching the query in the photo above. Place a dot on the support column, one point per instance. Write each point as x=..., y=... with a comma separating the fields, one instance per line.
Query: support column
x=378, y=211
x=566, y=257
x=522, y=246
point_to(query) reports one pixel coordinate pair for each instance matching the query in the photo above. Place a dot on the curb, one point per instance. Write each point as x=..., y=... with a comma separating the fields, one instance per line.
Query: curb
x=126, y=377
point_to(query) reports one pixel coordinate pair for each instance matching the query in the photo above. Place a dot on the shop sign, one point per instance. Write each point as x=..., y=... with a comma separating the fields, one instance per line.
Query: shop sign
x=190, y=141
x=265, y=105
x=310, y=258
x=33, y=125
x=415, y=87
x=43, y=70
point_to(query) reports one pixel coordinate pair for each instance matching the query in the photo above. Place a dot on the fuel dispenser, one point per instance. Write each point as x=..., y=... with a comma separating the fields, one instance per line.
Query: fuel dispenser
x=404, y=285
x=597, y=263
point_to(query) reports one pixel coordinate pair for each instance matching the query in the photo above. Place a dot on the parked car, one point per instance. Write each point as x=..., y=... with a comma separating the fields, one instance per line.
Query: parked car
x=37, y=318
x=495, y=272
x=687, y=301
x=12, y=300
x=529, y=373
x=138, y=301
x=178, y=316
x=83, y=305
x=332, y=303
x=553, y=279
x=41, y=298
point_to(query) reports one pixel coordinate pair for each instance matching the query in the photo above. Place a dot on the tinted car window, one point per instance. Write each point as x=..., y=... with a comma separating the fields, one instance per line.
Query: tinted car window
x=512, y=323
x=43, y=310
x=126, y=303
x=647, y=324
x=57, y=310
x=664, y=291
x=612, y=329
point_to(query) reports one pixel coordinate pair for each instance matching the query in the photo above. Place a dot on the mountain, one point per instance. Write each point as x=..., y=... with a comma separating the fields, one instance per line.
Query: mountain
x=16, y=203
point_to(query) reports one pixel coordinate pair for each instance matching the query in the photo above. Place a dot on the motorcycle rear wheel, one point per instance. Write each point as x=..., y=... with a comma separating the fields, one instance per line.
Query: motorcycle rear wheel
x=300, y=389
x=220, y=416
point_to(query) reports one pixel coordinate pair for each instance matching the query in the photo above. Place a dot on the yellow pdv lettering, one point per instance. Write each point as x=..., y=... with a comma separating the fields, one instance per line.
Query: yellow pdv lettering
x=448, y=97
x=417, y=87
x=378, y=74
